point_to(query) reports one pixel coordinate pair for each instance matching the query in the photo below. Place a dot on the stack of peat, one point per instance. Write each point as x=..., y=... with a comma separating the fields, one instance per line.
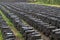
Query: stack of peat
x=28, y=32
x=48, y=24
x=6, y=31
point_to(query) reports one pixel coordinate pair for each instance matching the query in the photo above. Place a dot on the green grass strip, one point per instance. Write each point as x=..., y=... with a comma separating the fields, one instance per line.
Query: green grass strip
x=1, y=38
x=17, y=33
x=39, y=3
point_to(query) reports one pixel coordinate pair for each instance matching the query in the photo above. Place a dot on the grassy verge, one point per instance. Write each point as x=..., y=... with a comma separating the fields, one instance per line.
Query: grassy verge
x=1, y=38
x=39, y=3
x=17, y=34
